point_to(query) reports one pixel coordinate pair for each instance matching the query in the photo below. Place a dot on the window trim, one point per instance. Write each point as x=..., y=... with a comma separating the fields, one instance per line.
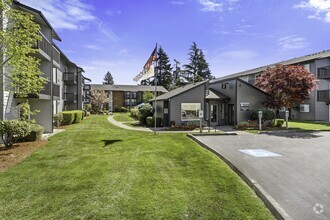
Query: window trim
x=198, y=109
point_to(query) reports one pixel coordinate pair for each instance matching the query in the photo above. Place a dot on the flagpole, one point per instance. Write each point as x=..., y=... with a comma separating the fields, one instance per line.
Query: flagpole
x=155, y=107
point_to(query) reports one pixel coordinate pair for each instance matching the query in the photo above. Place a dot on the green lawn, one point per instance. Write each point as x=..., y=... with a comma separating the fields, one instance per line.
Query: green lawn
x=94, y=170
x=123, y=117
x=308, y=125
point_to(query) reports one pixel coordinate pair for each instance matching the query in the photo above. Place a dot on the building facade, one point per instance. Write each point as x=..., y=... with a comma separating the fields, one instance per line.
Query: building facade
x=126, y=96
x=53, y=65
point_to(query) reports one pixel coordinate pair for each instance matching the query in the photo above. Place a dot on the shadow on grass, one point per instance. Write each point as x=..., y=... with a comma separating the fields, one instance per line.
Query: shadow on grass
x=301, y=134
x=109, y=142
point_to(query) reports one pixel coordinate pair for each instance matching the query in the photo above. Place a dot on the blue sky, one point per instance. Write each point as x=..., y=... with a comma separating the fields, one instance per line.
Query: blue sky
x=236, y=35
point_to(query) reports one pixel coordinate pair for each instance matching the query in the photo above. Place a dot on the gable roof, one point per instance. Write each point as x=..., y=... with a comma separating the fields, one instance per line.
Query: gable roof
x=129, y=88
x=297, y=60
x=179, y=91
x=213, y=94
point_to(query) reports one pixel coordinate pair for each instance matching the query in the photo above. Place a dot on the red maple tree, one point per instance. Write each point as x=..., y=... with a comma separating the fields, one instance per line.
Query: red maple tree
x=286, y=85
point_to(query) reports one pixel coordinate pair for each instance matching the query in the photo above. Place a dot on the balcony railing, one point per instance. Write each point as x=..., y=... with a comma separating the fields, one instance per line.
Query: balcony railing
x=56, y=90
x=46, y=89
x=70, y=77
x=323, y=73
x=70, y=97
x=323, y=95
x=44, y=45
x=56, y=55
x=87, y=87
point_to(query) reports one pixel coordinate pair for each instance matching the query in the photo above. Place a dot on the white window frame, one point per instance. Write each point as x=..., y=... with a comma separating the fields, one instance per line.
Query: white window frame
x=196, y=107
x=305, y=108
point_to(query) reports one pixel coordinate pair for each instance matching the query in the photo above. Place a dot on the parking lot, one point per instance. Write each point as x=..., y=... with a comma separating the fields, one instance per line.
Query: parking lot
x=293, y=168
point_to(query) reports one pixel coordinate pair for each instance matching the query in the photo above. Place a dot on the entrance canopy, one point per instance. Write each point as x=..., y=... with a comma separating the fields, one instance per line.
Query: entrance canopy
x=214, y=95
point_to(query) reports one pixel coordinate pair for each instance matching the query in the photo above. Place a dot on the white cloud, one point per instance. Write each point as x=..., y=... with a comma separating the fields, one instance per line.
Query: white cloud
x=211, y=5
x=112, y=12
x=292, y=42
x=107, y=32
x=93, y=47
x=321, y=9
x=178, y=2
x=68, y=14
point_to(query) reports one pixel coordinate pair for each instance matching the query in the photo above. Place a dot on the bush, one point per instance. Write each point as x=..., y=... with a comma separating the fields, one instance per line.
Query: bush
x=78, y=116
x=68, y=117
x=58, y=118
x=142, y=119
x=242, y=125
x=151, y=122
x=145, y=111
x=279, y=122
x=35, y=133
x=12, y=130
x=123, y=109
x=88, y=107
x=266, y=115
x=134, y=113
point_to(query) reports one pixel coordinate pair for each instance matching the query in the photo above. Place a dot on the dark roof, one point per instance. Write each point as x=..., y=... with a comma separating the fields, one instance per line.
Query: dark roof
x=297, y=60
x=130, y=88
x=213, y=94
x=36, y=13
x=178, y=91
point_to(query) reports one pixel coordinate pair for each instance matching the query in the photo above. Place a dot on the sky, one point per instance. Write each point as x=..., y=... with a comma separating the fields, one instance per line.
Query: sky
x=235, y=35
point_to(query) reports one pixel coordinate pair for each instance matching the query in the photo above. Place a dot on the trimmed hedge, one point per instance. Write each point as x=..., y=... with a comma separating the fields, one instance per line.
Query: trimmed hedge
x=58, y=118
x=78, y=116
x=68, y=117
x=35, y=134
x=266, y=115
x=151, y=122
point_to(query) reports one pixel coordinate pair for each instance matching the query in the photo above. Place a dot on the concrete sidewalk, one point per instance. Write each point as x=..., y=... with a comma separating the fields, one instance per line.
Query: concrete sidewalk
x=297, y=182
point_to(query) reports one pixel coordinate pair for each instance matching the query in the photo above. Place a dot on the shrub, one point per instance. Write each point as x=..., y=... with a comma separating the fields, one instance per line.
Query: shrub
x=35, y=133
x=58, y=118
x=279, y=122
x=88, y=107
x=134, y=113
x=68, y=117
x=242, y=125
x=12, y=130
x=142, y=119
x=123, y=109
x=145, y=111
x=266, y=115
x=151, y=122
x=78, y=116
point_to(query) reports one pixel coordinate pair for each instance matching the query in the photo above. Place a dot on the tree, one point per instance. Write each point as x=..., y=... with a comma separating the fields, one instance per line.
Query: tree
x=147, y=96
x=198, y=69
x=18, y=36
x=176, y=76
x=162, y=71
x=108, y=79
x=98, y=99
x=286, y=85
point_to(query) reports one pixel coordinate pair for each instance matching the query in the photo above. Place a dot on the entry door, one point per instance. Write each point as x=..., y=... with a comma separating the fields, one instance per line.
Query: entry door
x=231, y=114
x=214, y=114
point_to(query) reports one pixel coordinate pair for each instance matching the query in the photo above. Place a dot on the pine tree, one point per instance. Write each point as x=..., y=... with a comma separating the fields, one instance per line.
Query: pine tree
x=108, y=79
x=163, y=70
x=198, y=69
x=176, y=76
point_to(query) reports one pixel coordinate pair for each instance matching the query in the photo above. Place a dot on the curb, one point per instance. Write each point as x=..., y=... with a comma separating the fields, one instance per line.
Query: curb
x=214, y=134
x=270, y=203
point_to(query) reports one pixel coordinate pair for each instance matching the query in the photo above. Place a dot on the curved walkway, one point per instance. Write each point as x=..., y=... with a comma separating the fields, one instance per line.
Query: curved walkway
x=121, y=125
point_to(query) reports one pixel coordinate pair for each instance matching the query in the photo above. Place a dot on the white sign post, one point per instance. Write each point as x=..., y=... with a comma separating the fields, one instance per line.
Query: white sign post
x=287, y=119
x=260, y=121
x=201, y=115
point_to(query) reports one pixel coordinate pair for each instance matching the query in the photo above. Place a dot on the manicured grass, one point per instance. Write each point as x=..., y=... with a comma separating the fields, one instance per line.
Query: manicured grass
x=308, y=125
x=95, y=170
x=123, y=117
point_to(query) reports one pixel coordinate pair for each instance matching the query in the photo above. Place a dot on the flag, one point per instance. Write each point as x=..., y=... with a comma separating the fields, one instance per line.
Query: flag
x=148, y=68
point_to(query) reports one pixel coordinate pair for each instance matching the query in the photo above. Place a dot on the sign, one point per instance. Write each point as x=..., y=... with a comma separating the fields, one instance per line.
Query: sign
x=201, y=115
x=245, y=106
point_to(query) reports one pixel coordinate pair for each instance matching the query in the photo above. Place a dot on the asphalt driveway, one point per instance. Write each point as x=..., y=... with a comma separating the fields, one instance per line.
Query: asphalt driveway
x=297, y=176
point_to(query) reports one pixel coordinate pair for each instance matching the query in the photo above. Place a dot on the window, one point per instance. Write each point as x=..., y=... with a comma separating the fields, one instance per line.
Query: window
x=190, y=111
x=133, y=94
x=126, y=94
x=224, y=85
x=304, y=107
x=127, y=102
x=133, y=102
x=307, y=67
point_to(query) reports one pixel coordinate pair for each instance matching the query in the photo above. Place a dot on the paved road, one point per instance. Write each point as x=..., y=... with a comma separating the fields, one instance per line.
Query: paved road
x=299, y=180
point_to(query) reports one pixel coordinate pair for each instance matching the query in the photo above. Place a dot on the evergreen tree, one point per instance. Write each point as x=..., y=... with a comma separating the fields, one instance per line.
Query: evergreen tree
x=176, y=76
x=163, y=70
x=108, y=79
x=198, y=69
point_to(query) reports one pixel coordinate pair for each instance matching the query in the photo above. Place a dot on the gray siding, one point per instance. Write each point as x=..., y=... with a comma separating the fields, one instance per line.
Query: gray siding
x=195, y=95
x=247, y=93
x=229, y=91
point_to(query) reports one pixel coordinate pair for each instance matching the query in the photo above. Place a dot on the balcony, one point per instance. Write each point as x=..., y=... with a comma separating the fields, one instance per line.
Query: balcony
x=70, y=78
x=44, y=46
x=87, y=87
x=323, y=73
x=323, y=95
x=56, y=56
x=70, y=97
x=45, y=91
x=56, y=90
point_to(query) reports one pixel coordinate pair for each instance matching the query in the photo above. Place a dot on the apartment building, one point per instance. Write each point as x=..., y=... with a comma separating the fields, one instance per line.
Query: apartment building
x=56, y=68
x=126, y=96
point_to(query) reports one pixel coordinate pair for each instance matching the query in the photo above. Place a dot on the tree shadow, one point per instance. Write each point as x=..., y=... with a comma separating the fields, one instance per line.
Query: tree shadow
x=109, y=142
x=302, y=134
